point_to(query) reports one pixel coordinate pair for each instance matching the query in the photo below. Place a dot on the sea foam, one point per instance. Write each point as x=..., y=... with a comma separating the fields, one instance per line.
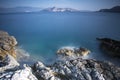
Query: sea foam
x=21, y=54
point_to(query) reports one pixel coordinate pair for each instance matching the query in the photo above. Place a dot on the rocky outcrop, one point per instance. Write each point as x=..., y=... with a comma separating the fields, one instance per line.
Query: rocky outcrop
x=7, y=45
x=112, y=47
x=10, y=70
x=72, y=51
x=23, y=74
x=77, y=69
x=8, y=63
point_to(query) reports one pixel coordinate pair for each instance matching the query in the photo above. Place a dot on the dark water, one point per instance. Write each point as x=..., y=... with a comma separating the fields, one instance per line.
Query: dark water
x=42, y=34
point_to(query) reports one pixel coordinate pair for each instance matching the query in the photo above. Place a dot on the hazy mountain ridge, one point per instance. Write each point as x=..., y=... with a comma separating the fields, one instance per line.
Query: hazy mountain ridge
x=19, y=9
x=51, y=9
x=37, y=10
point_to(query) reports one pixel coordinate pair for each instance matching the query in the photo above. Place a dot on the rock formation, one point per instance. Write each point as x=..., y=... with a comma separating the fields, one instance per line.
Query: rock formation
x=10, y=70
x=8, y=63
x=112, y=47
x=77, y=69
x=22, y=74
x=7, y=45
x=71, y=51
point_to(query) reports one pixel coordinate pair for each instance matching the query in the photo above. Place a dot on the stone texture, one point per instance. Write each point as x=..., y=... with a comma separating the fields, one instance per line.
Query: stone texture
x=77, y=69
x=10, y=70
x=9, y=63
x=23, y=74
x=7, y=44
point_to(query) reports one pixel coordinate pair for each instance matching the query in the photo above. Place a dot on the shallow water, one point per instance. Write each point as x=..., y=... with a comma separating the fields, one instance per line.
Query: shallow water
x=42, y=34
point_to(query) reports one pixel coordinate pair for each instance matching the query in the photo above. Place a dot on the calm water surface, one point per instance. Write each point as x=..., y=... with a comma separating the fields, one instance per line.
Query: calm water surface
x=42, y=34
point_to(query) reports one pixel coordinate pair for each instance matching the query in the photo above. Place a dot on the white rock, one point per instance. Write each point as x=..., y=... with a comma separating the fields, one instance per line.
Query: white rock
x=24, y=74
x=11, y=63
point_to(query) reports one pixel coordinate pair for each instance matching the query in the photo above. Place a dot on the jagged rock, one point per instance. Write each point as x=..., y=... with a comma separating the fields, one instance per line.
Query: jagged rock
x=43, y=73
x=20, y=74
x=77, y=69
x=8, y=63
x=23, y=74
x=7, y=44
x=71, y=51
x=10, y=70
x=112, y=47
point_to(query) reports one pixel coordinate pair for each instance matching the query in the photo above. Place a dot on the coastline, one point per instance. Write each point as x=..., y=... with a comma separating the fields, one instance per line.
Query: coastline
x=63, y=69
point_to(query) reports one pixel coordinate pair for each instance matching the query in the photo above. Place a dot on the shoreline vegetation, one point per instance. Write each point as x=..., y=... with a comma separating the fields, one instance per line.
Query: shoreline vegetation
x=67, y=68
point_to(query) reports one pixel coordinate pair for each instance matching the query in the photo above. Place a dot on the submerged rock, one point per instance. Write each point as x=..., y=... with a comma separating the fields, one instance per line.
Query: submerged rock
x=71, y=51
x=110, y=46
x=7, y=44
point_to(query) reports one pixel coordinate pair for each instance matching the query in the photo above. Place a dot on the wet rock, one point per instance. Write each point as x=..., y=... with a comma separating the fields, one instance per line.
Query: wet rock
x=71, y=51
x=7, y=44
x=110, y=46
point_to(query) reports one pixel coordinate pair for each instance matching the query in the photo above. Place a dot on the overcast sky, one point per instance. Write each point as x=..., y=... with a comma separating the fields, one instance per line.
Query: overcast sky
x=77, y=4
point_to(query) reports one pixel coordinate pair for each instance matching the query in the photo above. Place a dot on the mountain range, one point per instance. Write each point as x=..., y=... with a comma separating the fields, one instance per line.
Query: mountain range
x=36, y=9
x=52, y=9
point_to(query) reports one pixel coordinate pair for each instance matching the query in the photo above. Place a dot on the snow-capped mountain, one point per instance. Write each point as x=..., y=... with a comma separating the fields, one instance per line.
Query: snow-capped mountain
x=55, y=9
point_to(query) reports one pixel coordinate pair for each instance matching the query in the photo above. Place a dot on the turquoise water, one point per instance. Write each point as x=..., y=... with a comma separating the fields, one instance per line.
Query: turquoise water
x=42, y=34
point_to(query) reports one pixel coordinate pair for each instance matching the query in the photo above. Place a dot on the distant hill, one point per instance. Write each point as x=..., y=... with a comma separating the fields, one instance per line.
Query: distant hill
x=114, y=9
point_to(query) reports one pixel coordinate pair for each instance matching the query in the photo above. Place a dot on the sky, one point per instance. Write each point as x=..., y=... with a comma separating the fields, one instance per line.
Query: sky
x=77, y=4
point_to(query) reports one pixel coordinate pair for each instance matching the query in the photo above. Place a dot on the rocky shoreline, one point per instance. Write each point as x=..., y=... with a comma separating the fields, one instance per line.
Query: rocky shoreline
x=71, y=69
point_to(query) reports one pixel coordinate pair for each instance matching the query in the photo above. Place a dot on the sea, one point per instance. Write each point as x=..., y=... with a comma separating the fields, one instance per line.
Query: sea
x=40, y=35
